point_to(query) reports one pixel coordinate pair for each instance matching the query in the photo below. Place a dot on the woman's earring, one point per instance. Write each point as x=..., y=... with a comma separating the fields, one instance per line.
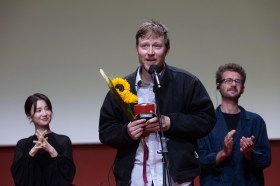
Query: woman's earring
x=30, y=119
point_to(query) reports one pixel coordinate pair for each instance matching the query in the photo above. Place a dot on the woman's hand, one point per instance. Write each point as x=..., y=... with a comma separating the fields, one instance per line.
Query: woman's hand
x=42, y=143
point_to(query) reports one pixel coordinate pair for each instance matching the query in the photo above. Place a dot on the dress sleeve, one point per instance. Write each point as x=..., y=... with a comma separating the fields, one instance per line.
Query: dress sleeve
x=62, y=168
x=23, y=167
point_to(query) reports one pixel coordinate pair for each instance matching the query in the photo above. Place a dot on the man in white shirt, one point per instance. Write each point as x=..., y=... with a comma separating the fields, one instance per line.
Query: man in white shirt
x=186, y=110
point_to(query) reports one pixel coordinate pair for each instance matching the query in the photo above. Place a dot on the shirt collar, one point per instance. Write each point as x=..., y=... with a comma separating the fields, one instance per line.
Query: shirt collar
x=139, y=81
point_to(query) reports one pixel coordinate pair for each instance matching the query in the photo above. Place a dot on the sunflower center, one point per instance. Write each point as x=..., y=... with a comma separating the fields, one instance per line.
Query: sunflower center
x=120, y=87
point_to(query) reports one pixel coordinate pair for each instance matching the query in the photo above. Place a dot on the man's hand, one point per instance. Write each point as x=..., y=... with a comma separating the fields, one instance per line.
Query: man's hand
x=247, y=146
x=228, y=143
x=135, y=128
x=153, y=125
x=228, y=146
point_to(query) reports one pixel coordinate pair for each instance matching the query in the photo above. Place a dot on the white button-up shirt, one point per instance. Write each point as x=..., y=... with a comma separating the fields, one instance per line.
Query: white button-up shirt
x=154, y=168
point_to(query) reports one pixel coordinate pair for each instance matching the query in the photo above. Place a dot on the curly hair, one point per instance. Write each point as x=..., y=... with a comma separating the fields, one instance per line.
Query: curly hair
x=230, y=67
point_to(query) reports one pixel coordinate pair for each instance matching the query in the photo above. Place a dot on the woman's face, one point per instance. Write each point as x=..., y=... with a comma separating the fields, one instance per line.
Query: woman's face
x=42, y=115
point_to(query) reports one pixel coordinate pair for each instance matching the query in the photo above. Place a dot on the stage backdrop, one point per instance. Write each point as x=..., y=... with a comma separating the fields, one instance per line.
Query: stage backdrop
x=57, y=47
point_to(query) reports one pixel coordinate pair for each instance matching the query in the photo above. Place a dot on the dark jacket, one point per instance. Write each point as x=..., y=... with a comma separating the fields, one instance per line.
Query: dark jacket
x=184, y=99
x=235, y=170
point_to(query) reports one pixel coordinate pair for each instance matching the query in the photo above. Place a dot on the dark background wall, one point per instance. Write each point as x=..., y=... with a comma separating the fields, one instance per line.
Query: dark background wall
x=94, y=165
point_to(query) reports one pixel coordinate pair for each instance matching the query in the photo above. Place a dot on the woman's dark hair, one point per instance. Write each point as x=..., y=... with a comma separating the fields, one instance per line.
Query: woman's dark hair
x=33, y=100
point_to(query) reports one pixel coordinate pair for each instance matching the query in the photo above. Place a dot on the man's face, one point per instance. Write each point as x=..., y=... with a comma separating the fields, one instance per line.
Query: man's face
x=151, y=51
x=231, y=86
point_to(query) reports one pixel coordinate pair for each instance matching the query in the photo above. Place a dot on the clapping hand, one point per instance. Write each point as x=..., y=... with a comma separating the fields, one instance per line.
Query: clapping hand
x=228, y=143
x=247, y=146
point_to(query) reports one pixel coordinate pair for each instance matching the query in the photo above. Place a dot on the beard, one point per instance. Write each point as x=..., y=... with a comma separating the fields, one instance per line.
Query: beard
x=227, y=93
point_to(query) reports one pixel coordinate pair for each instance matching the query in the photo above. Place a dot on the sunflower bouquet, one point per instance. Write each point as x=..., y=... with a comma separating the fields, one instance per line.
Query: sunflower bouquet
x=121, y=91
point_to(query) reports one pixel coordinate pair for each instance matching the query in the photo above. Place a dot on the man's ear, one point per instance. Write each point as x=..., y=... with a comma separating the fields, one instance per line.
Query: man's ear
x=167, y=50
x=242, y=89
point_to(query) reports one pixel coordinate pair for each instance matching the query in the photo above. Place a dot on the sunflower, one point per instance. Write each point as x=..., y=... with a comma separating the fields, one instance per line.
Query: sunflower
x=121, y=84
x=129, y=97
x=123, y=89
